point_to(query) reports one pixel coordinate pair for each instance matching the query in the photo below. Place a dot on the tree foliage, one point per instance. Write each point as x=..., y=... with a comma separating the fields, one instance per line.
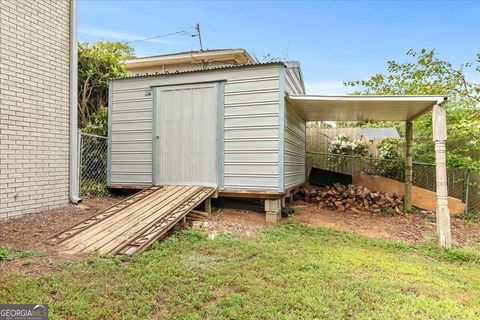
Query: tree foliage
x=97, y=63
x=98, y=123
x=427, y=74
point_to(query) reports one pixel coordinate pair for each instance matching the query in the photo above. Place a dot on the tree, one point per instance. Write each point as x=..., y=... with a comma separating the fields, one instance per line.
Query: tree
x=427, y=74
x=97, y=63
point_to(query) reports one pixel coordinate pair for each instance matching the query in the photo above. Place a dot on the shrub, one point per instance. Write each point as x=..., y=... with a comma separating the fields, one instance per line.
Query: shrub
x=94, y=188
x=390, y=161
x=342, y=145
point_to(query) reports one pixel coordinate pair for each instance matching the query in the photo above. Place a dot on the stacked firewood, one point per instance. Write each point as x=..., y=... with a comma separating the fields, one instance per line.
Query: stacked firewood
x=353, y=198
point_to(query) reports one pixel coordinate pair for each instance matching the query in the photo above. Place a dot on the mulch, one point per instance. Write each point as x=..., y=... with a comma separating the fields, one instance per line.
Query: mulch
x=28, y=233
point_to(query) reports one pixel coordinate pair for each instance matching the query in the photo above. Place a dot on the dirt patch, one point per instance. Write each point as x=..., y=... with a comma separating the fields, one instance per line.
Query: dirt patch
x=28, y=232
x=415, y=228
x=239, y=223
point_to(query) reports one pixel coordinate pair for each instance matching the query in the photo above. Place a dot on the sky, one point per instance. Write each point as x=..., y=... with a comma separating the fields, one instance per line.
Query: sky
x=334, y=41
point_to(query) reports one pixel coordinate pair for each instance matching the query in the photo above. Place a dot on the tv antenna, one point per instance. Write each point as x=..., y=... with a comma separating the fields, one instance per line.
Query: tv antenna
x=199, y=35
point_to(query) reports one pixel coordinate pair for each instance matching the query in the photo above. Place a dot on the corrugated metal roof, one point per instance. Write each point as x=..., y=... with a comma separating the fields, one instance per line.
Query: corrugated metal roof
x=358, y=108
x=379, y=133
x=202, y=70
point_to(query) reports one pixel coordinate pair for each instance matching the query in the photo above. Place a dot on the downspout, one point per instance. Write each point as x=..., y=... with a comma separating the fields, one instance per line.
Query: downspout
x=74, y=181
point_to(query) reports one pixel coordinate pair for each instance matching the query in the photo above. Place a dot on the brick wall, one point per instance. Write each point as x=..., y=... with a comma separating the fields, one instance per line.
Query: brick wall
x=34, y=105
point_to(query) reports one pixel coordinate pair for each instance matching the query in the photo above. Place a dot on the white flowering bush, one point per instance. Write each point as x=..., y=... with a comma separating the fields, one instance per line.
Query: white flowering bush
x=390, y=161
x=343, y=145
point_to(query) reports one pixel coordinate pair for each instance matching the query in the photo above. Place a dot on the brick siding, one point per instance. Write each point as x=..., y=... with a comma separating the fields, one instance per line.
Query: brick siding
x=34, y=105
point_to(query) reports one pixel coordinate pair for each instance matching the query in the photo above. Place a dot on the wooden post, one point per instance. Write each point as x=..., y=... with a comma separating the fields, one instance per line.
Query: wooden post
x=208, y=206
x=408, y=166
x=439, y=122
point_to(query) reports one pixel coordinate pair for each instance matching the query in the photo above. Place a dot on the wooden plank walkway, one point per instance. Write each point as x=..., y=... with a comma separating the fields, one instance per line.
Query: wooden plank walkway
x=133, y=224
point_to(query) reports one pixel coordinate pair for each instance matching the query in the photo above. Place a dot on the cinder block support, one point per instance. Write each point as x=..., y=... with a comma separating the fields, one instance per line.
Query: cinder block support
x=273, y=210
x=443, y=213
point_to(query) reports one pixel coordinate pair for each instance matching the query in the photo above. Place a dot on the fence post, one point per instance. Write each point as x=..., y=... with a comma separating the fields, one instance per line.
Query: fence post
x=467, y=190
x=408, y=166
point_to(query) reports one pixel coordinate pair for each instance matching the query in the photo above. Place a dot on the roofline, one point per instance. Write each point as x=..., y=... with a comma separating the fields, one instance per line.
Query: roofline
x=158, y=74
x=437, y=99
x=187, y=55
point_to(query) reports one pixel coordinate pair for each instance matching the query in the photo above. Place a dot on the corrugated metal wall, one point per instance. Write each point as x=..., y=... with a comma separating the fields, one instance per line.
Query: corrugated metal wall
x=293, y=81
x=295, y=133
x=252, y=131
x=250, y=128
x=294, y=147
x=130, y=135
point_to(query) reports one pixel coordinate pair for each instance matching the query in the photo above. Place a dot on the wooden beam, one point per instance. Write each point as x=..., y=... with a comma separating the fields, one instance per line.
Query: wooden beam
x=208, y=206
x=249, y=194
x=439, y=121
x=258, y=194
x=408, y=166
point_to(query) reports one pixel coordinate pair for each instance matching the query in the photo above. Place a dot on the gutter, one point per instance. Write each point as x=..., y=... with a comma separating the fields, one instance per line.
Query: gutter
x=74, y=181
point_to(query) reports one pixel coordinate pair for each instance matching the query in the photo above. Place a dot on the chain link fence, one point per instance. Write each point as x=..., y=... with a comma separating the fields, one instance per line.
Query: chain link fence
x=93, y=155
x=462, y=184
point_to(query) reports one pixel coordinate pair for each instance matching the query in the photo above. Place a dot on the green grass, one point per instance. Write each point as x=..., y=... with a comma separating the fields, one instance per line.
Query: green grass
x=8, y=254
x=288, y=272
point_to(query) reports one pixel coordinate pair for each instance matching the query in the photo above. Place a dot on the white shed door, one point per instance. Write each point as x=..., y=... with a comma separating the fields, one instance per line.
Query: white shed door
x=186, y=129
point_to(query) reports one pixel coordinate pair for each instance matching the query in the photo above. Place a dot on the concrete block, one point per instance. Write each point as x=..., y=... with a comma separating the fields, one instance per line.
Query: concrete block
x=272, y=217
x=273, y=205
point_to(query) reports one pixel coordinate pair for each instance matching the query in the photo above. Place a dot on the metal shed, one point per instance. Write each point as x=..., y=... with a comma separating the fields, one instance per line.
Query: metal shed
x=242, y=129
x=229, y=126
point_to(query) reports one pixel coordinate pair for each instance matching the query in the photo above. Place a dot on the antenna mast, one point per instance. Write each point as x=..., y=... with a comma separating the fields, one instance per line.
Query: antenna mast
x=197, y=27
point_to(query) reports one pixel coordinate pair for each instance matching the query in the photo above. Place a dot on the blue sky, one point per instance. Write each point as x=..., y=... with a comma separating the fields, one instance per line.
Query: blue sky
x=333, y=40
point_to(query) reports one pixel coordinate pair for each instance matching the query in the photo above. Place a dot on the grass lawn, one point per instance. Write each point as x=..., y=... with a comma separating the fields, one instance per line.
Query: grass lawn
x=288, y=272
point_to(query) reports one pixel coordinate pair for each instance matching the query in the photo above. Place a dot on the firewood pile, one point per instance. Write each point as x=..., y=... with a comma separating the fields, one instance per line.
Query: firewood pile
x=353, y=198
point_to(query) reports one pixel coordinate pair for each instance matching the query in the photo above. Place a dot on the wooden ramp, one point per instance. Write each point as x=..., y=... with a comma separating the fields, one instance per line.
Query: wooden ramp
x=133, y=224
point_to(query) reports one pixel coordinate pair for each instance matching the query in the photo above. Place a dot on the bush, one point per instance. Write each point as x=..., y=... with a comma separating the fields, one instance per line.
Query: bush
x=94, y=188
x=390, y=161
x=342, y=145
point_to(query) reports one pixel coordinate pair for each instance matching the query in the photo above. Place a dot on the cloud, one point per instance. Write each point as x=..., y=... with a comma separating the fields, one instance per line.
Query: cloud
x=326, y=87
x=123, y=36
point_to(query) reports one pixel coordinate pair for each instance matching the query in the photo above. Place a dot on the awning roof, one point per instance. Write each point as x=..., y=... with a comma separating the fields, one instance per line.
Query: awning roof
x=354, y=108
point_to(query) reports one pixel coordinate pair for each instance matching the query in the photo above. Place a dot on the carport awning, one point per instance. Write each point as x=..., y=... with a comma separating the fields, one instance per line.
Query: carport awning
x=355, y=108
